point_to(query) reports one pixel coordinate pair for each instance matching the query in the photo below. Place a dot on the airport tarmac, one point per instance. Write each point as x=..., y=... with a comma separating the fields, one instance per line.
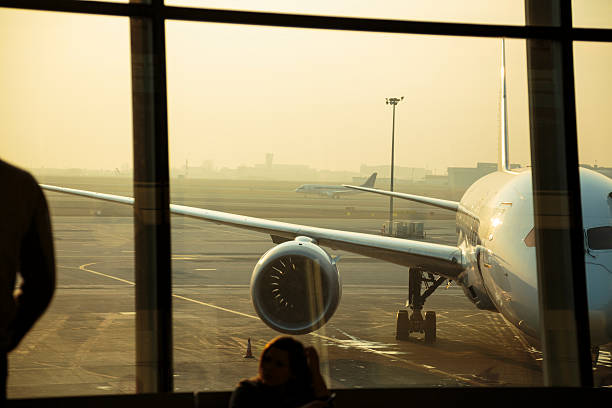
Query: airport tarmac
x=84, y=344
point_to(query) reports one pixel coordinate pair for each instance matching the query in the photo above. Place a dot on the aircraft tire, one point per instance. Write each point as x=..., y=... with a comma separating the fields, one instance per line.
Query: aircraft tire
x=430, y=327
x=594, y=355
x=402, y=331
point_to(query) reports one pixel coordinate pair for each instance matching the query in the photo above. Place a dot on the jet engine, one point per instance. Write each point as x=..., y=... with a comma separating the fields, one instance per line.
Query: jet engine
x=295, y=287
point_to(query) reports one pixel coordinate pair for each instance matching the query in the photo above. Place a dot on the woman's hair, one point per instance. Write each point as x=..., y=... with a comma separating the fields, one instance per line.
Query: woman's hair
x=300, y=374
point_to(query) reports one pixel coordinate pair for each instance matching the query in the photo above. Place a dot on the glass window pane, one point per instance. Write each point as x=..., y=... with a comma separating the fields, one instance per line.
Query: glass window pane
x=266, y=110
x=510, y=12
x=592, y=63
x=65, y=115
x=592, y=13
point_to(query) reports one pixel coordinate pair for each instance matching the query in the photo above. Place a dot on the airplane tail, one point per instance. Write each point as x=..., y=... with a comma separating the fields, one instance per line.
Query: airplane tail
x=370, y=181
x=503, y=163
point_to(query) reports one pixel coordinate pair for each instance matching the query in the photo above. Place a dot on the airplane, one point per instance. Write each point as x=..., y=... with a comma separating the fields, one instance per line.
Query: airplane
x=497, y=242
x=296, y=287
x=331, y=190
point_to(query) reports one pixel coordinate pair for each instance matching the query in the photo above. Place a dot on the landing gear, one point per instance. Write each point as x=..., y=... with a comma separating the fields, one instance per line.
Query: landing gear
x=415, y=323
x=430, y=327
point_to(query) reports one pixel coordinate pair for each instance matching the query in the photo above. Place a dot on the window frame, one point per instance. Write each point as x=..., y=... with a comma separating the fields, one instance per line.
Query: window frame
x=155, y=13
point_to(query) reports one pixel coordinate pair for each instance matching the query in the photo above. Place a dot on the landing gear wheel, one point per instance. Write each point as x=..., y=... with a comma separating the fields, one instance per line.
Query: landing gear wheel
x=594, y=355
x=402, y=331
x=430, y=327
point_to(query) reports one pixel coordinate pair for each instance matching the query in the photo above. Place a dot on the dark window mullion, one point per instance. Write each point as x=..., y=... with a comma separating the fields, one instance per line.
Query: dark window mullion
x=152, y=241
x=310, y=21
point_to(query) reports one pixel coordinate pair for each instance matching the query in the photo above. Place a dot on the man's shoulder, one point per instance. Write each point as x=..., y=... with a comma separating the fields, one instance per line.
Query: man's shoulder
x=13, y=176
x=11, y=172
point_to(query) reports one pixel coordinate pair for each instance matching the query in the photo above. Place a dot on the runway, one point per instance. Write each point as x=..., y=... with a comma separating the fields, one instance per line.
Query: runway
x=84, y=344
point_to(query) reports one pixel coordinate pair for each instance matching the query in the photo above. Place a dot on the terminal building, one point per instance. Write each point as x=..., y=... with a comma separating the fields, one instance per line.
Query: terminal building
x=404, y=173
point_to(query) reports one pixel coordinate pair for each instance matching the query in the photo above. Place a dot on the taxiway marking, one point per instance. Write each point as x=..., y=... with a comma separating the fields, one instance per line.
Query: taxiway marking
x=355, y=343
x=84, y=268
x=359, y=345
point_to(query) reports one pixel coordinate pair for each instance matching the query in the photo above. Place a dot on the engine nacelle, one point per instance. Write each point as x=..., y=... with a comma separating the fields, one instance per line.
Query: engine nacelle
x=295, y=287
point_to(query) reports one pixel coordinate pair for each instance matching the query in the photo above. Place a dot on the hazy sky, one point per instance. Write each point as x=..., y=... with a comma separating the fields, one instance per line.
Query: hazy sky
x=311, y=97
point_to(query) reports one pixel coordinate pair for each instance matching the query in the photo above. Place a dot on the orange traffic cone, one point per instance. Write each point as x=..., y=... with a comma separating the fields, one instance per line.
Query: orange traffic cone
x=249, y=354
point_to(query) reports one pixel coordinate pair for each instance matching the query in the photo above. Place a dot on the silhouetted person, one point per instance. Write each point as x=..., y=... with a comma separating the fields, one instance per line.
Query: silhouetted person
x=26, y=248
x=289, y=377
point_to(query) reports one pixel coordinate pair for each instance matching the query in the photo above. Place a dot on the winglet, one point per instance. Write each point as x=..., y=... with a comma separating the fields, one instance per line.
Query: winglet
x=435, y=202
x=503, y=163
x=370, y=181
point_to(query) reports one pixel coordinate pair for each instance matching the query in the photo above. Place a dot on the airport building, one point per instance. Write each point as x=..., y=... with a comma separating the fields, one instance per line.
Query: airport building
x=405, y=173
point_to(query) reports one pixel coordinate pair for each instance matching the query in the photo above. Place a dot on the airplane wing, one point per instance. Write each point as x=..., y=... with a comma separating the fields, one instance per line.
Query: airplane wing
x=343, y=191
x=435, y=202
x=445, y=260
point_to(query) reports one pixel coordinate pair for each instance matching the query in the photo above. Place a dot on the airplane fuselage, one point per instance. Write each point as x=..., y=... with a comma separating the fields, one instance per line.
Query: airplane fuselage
x=500, y=248
x=333, y=191
x=324, y=190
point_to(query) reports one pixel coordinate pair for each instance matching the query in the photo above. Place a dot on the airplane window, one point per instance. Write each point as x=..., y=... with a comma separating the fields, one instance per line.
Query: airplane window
x=530, y=238
x=600, y=238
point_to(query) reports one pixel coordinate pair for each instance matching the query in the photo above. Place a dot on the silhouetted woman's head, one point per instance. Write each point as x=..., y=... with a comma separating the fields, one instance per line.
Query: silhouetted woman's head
x=283, y=360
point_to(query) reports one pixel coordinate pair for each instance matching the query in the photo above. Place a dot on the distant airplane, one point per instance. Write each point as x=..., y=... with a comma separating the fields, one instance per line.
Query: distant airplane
x=331, y=190
x=295, y=286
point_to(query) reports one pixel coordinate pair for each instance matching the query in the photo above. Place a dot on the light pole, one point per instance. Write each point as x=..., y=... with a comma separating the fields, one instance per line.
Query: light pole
x=393, y=102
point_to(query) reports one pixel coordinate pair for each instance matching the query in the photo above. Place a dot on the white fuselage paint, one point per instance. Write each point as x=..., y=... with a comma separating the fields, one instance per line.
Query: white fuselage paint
x=502, y=271
x=333, y=191
x=324, y=190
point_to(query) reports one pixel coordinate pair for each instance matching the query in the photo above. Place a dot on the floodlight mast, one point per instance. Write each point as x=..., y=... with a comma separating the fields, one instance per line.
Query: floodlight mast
x=393, y=102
